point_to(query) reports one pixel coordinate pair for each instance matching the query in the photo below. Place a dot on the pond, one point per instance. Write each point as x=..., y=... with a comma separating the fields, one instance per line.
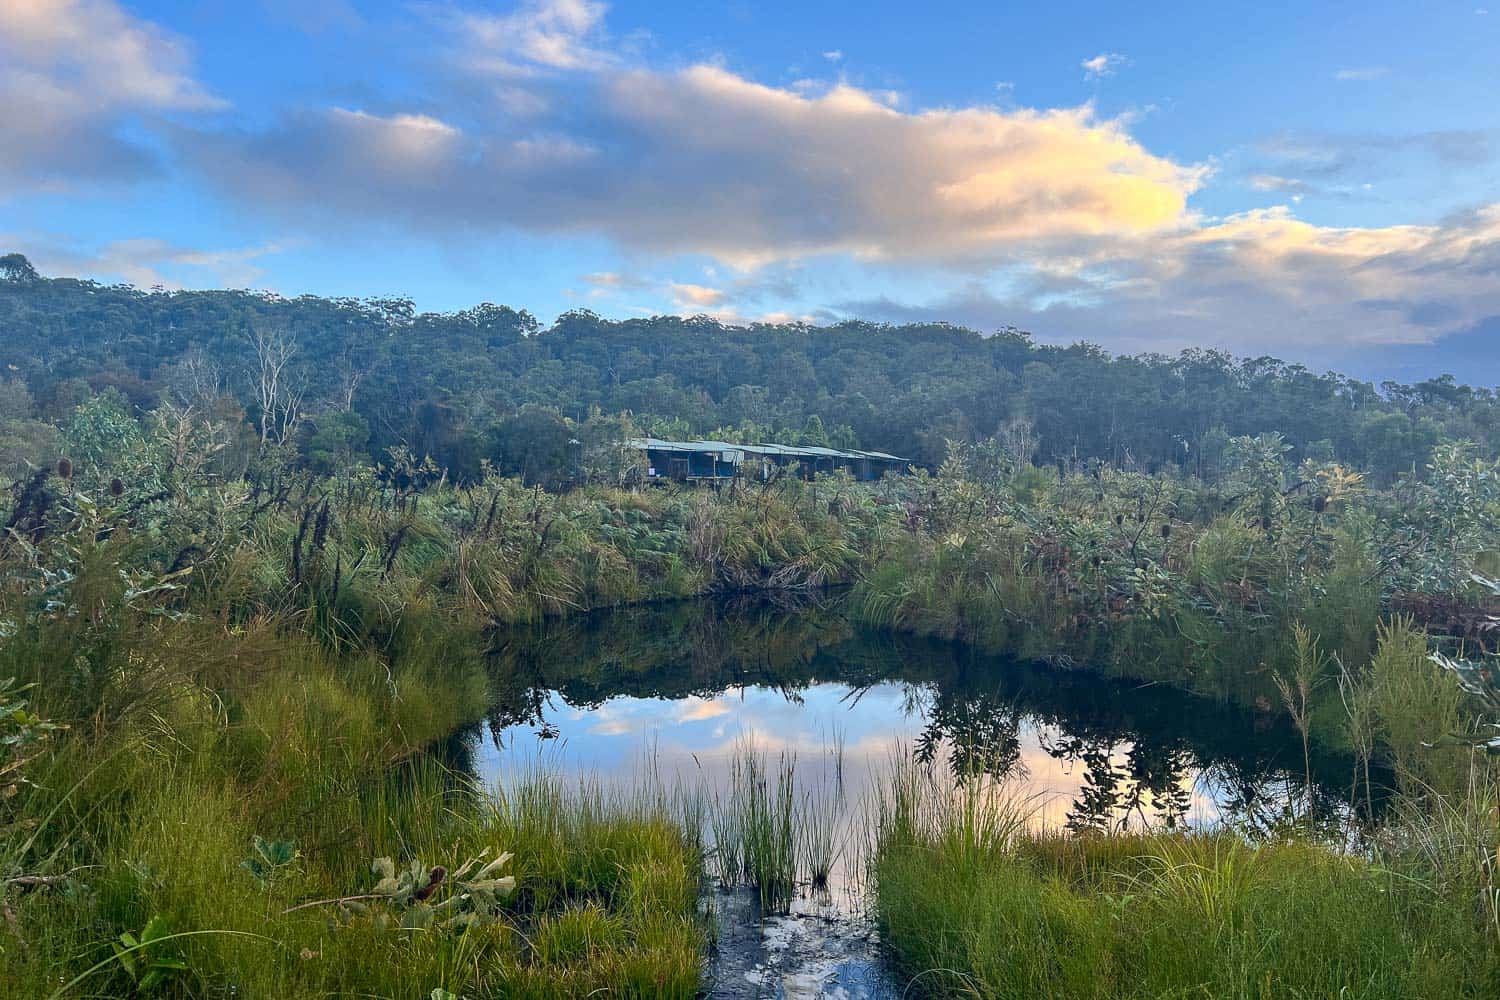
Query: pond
x=678, y=690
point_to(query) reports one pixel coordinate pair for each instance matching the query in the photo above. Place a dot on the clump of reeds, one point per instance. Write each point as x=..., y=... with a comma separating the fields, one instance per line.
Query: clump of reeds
x=773, y=828
x=820, y=842
x=767, y=805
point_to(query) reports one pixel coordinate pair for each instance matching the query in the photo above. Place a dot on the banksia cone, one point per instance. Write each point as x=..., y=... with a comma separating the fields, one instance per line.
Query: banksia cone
x=433, y=881
x=1166, y=531
x=116, y=487
x=1320, y=504
x=65, y=468
x=1119, y=520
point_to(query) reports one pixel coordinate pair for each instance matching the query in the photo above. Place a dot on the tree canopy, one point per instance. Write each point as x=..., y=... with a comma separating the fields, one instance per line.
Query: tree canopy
x=342, y=377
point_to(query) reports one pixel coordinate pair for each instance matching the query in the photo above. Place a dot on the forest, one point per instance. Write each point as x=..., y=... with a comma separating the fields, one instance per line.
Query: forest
x=262, y=559
x=337, y=378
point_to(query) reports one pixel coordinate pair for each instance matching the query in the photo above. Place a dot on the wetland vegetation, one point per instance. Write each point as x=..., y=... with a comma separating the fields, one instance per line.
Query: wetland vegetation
x=271, y=695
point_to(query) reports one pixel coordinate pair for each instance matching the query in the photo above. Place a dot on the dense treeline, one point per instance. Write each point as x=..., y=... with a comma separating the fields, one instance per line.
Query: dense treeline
x=347, y=377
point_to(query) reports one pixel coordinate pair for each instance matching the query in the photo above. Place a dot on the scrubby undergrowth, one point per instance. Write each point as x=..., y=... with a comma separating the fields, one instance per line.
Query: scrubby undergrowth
x=225, y=685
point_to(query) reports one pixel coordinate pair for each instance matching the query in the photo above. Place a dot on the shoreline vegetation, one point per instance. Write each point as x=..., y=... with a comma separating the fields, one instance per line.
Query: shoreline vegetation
x=228, y=651
x=249, y=675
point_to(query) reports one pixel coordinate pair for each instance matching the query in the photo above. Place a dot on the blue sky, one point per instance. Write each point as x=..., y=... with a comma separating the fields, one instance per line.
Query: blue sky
x=1317, y=181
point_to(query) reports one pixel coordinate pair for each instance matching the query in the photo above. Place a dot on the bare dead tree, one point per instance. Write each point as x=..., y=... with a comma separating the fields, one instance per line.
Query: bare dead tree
x=276, y=390
x=1019, y=440
x=197, y=380
x=353, y=366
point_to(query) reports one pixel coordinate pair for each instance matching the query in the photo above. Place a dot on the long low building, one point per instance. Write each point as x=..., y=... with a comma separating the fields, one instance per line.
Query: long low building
x=720, y=461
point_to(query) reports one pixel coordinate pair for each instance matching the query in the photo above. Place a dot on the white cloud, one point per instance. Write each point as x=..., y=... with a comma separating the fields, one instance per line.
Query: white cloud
x=148, y=262
x=1056, y=218
x=1272, y=182
x=696, y=296
x=103, y=51
x=399, y=140
x=1258, y=281
x=540, y=36
x=1266, y=277
x=71, y=72
x=1102, y=65
x=705, y=161
x=1361, y=73
x=833, y=55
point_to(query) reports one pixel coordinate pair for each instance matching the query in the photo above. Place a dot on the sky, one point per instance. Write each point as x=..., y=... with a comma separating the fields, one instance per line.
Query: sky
x=1316, y=181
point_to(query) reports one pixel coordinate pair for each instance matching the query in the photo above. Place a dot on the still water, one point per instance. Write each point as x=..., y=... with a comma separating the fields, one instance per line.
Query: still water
x=679, y=689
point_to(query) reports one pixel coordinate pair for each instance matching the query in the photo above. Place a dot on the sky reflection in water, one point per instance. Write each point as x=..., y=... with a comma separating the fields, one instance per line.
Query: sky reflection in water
x=681, y=687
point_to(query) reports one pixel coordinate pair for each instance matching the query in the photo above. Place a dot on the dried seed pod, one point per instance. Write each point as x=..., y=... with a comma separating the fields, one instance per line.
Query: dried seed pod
x=1320, y=504
x=65, y=468
x=1119, y=520
x=116, y=487
x=1166, y=531
x=433, y=881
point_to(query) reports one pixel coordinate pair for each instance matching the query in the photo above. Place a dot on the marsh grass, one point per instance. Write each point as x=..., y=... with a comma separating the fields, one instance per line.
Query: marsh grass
x=777, y=827
x=768, y=833
x=819, y=843
x=143, y=815
x=290, y=688
x=825, y=808
x=972, y=903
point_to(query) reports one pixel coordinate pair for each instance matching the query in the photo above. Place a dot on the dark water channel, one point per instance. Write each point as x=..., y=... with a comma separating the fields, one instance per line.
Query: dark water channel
x=678, y=688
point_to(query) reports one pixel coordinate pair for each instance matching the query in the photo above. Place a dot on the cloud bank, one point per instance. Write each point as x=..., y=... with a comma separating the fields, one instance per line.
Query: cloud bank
x=1058, y=219
x=73, y=73
x=704, y=161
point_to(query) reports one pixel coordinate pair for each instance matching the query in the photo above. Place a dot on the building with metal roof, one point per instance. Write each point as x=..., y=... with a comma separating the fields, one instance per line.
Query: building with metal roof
x=720, y=461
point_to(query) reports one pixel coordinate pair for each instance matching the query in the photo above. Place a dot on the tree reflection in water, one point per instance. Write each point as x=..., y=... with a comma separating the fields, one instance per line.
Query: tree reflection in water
x=1142, y=752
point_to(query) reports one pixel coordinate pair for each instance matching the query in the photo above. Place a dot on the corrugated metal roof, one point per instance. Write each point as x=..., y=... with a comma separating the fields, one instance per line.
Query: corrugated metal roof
x=660, y=444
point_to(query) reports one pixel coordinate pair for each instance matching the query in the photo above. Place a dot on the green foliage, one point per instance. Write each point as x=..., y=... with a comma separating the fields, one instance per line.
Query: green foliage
x=422, y=898
x=1479, y=678
x=1453, y=516
x=22, y=734
x=270, y=860
x=213, y=634
x=151, y=958
x=464, y=386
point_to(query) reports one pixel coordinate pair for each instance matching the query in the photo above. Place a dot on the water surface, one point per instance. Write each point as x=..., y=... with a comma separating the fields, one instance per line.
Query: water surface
x=681, y=687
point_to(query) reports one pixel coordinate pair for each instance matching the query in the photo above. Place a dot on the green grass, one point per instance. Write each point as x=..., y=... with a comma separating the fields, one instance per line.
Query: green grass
x=140, y=820
x=775, y=829
x=604, y=900
x=972, y=905
x=290, y=688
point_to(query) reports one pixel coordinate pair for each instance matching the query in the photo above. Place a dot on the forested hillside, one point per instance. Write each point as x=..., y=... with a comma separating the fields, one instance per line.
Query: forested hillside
x=339, y=378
